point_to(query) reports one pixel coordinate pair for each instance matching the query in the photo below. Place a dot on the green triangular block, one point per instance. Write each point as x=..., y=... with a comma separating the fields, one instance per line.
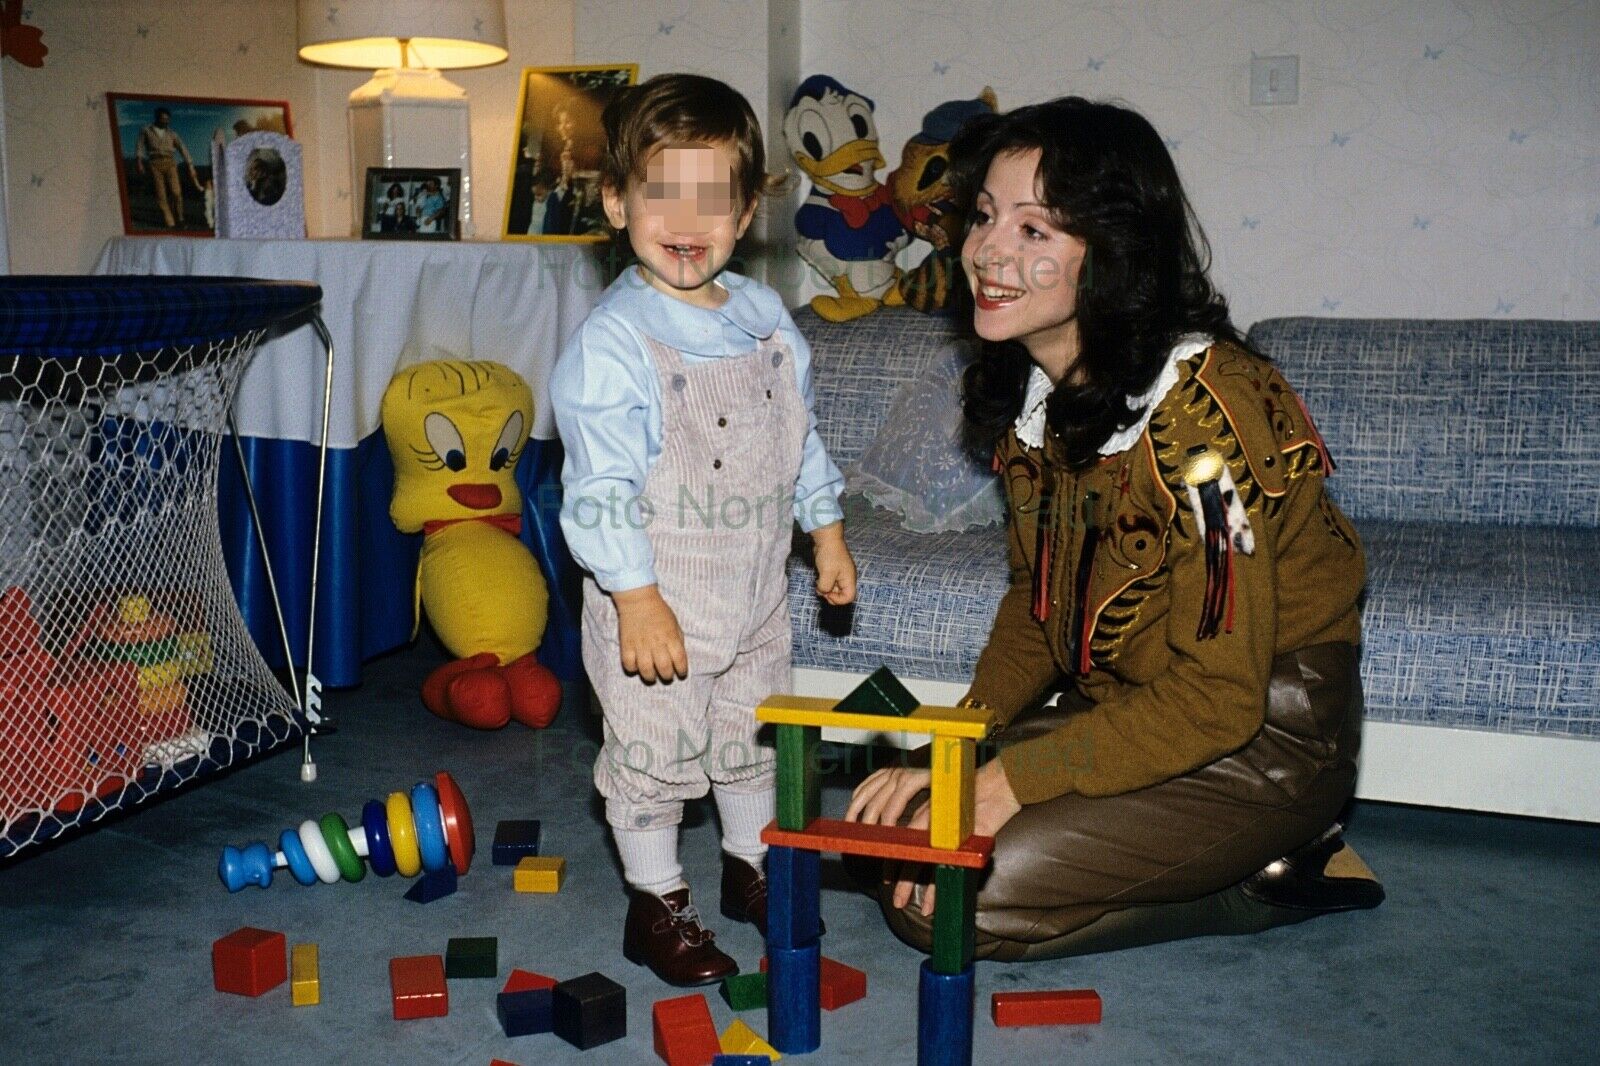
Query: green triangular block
x=745, y=991
x=880, y=693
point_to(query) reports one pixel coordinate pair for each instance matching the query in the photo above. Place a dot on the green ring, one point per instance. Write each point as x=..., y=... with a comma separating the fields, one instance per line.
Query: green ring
x=337, y=834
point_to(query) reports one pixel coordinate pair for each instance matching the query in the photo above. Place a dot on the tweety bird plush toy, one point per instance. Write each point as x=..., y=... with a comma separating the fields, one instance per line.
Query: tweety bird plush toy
x=847, y=225
x=455, y=430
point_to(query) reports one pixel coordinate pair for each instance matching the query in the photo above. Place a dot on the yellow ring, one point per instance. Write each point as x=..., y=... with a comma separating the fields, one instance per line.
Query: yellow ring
x=403, y=835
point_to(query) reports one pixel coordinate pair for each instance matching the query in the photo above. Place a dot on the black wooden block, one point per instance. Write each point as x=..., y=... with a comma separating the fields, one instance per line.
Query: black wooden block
x=515, y=840
x=589, y=1011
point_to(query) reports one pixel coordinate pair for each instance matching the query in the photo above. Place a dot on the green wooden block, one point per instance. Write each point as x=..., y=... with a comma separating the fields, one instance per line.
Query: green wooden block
x=880, y=693
x=955, y=907
x=745, y=991
x=799, y=787
x=472, y=956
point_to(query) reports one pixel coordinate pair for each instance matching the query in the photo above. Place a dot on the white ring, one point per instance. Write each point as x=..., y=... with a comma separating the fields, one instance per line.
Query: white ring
x=317, y=851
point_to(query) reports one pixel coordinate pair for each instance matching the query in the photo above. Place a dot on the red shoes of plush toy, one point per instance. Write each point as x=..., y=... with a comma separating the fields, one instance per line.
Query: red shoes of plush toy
x=480, y=693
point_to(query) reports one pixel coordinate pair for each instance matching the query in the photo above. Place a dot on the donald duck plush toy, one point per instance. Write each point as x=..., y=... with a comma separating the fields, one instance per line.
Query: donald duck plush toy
x=455, y=430
x=847, y=225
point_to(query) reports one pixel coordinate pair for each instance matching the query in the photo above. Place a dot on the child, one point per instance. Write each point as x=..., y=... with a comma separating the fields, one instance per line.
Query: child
x=684, y=404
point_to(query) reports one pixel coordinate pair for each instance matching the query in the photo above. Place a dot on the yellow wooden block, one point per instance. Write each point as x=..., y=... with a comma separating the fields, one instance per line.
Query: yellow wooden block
x=952, y=765
x=740, y=1039
x=973, y=723
x=305, y=979
x=540, y=873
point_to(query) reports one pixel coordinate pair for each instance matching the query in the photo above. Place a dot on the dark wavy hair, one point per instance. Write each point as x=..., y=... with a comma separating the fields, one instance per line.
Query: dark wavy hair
x=1107, y=179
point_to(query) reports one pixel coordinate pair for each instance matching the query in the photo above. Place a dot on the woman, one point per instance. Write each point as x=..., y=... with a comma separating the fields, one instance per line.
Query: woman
x=1175, y=564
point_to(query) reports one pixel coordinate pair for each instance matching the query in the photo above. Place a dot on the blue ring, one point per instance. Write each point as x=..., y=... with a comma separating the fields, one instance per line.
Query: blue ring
x=376, y=823
x=430, y=827
x=299, y=862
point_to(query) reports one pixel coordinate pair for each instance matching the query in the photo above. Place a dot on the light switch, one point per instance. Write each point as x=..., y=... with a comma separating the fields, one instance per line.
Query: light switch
x=1274, y=79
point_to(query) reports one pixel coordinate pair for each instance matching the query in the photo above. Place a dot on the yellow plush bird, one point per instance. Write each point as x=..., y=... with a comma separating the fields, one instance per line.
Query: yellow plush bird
x=455, y=430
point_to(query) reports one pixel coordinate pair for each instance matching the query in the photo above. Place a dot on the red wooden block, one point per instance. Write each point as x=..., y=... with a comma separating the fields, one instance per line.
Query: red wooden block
x=416, y=984
x=881, y=841
x=248, y=962
x=1080, y=1006
x=684, y=1033
x=500, y=1062
x=841, y=984
x=527, y=981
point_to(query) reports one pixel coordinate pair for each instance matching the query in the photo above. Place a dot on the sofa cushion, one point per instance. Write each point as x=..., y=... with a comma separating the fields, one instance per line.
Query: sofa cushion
x=1483, y=627
x=924, y=601
x=1451, y=420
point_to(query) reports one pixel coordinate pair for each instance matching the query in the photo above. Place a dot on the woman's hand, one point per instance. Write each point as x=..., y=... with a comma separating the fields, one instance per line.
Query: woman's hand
x=647, y=630
x=836, y=569
x=882, y=798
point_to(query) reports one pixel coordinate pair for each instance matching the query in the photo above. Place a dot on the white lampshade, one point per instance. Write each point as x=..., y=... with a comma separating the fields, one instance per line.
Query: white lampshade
x=368, y=34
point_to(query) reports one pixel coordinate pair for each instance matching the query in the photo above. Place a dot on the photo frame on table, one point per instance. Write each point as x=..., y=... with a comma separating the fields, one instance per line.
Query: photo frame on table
x=554, y=190
x=164, y=177
x=412, y=204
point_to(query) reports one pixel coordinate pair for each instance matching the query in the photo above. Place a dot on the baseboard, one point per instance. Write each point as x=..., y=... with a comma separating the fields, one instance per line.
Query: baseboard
x=1432, y=766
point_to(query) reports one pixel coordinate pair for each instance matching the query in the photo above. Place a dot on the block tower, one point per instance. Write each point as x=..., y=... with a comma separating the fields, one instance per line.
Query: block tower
x=799, y=836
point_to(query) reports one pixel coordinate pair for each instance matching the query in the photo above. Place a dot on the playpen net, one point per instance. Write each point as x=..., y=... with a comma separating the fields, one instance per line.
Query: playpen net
x=125, y=667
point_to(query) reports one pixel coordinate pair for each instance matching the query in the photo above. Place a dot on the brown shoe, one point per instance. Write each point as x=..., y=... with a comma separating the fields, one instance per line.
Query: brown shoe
x=665, y=934
x=744, y=892
x=1310, y=879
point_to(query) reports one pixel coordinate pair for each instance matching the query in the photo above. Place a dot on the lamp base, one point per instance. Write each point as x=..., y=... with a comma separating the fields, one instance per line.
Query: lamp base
x=409, y=118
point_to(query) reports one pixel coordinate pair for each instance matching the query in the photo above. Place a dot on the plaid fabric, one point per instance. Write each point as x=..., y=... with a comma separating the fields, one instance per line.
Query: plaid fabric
x=65, y=316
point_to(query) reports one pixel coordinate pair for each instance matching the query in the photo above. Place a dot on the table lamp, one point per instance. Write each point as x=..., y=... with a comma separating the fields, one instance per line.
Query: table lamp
x=408, y=115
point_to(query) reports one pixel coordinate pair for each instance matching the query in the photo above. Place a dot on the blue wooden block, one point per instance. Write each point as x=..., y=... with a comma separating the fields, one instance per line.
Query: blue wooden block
x=741, y=1060
x=431, y=886
x=525, y=1013
x=944, y=1017
x=794, y=897
x=794, y=998
x=513, y=841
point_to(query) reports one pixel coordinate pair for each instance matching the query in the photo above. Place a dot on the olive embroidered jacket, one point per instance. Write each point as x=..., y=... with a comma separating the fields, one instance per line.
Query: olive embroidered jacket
x=1170, y=636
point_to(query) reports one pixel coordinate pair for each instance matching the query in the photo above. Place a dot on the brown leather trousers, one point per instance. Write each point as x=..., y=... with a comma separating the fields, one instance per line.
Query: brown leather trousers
x=1076, y=875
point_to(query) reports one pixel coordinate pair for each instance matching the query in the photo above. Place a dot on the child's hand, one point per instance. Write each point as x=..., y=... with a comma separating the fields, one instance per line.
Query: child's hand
x=836, y=570
x=652, y=643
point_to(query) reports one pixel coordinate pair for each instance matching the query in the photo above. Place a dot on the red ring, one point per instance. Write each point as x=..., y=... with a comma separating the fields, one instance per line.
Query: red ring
x=457, y=819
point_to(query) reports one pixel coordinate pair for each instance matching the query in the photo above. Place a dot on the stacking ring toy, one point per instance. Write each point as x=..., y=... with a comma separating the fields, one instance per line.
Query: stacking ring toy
x=427, y=828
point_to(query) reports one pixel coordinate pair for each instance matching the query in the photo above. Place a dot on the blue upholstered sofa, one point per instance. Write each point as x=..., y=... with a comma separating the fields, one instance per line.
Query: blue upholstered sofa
x=1468, y=455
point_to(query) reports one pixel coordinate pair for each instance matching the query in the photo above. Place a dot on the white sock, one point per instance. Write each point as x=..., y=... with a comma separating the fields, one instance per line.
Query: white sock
x=650, y=859
x=744, y=815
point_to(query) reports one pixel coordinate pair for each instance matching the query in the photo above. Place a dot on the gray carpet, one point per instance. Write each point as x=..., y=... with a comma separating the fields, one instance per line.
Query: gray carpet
x=1484, y=952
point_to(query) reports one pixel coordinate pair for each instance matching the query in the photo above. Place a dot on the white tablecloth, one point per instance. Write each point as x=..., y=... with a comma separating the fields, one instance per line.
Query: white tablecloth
x=386, y=303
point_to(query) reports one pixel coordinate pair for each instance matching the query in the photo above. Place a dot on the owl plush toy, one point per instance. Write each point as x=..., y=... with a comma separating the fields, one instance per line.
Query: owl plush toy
x=455, y=430
x=847, y=225
x=923, y=200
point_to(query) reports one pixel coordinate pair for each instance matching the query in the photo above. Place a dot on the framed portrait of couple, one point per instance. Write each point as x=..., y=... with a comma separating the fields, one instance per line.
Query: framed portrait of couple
x=554, y=189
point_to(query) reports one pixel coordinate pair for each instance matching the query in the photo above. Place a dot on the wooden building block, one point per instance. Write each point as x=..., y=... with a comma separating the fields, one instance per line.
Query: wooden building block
x=879, y=841
x=515, y=841
x=972, y=723
x=799, y=784
x=524, y=1005
x=745, y=991
x=741, y=1060
x=1080, y=1006
x=944, y=1017
x=431, y=886
x=739, y=1039
x=838, y=985
x=539, y=873
x=881, y=693
x=589, y=1011
x=955, y=908
x=305, y=979
x=417, y=987
x=952, y=765
x=794, y=895
x=472, y=956
x=684, y=1035
x=794, y=1004
x=249, y=961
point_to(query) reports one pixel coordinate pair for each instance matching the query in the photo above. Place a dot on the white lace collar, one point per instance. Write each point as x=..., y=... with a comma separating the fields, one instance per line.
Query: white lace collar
x=1030, y=424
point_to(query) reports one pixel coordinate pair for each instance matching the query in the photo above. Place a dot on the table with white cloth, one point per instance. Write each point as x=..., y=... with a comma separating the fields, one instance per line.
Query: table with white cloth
x=386, y=304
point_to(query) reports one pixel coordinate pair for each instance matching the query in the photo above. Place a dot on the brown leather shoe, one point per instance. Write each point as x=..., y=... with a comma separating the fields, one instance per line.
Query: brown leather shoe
x=744, y=892
x=665, y=934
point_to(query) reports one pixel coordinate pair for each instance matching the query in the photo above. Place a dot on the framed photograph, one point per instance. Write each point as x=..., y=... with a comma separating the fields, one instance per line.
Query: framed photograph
x=163, y=149
x=412, y=204
x=554, y=190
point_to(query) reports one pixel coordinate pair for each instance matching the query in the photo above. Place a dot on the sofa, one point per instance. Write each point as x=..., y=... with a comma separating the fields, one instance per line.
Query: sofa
x=1467, y=454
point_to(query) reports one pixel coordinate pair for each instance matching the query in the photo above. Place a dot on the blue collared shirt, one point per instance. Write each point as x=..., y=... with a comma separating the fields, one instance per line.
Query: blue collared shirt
x=606, y=399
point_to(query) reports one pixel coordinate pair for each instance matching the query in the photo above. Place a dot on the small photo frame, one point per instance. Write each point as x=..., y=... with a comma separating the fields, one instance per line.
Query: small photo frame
x=554, y=190
x=412, y=204
x=163, y=155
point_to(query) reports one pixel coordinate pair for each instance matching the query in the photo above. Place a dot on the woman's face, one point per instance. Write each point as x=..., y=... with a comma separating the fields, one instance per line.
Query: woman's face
x=1022, y=267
